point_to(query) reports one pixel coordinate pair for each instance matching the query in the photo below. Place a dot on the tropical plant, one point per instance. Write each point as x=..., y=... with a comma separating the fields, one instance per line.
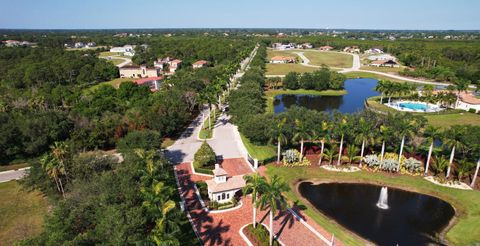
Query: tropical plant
x=205, y=156
x=341, y=130
x=372, y=160
x=352, y=152
x=390, y=165
x=412, y=165
x=301, y=133
x=272, y=197
x=453, y=138
x=291, y=156
x=431, y=133
x=364, y=135
x=329, y=154
x=476, y=174
x=325, y=128
x=254, y=185
x=439, y=165
x=464, y=167
x=278, y=135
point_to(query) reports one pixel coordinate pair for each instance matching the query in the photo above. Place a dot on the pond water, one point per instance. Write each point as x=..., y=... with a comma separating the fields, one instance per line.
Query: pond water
x=357, y=91
x=411, y=218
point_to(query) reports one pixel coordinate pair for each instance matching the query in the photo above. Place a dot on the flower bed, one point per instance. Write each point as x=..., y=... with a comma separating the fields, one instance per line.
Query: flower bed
x=448, y=183
x=258, y=236
x=346, y=169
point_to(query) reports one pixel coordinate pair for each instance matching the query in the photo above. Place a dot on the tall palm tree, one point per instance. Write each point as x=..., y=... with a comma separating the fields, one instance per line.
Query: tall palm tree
x=341, y=129
x=272, y=197
x=405, y=128
x=381, y=87
x=301, y=133
x=452, y=138
x=385, y=134
x=325, y=129
x=431, y=133
x=476, y=174
x=278, y=135
x=254, y=183
x=460, y=85
x=54, y=170
x=363, y=134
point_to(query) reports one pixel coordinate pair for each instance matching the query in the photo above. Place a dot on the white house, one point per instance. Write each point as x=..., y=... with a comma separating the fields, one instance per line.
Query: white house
x=382, y=57
x=127, y=50
x=373, y=51
x=282, y=59
x=384, y=63
x=91, y=44
x=468, y=101
x=280, y=46
x=79, y=45
x=352, y=49
x=223, y=188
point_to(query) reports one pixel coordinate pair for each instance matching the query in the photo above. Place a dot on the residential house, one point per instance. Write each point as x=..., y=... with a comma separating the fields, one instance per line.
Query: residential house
x=132, y=71
x=223, y=188
x=282, y=59
x=352, y=49
x=126, y=50
x=91, y=44
x=280, y=46
x=382, y=57
x=374, y=51
x=152, y=82
x=384, y=63
x=79, y=45
x=325, y=48
x=305, y=46
x=173, y=65
x=199, y=64
x=468, y=101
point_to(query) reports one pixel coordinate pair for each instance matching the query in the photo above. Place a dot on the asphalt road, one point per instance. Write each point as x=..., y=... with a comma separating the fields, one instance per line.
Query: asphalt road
x=13, y=174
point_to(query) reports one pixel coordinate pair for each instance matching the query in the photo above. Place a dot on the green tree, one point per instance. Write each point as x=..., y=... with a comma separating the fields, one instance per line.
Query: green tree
x=254, y=185
x=431, y=133
x=205, y=156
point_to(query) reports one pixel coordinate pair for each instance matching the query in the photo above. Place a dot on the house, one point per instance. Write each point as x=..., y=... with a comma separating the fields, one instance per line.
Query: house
x=174, y=65
x=280, y=46
x=199, y=64
x=282, y=59
x=468, y=101
x=373, y=51
x=91, y=44
x=79, y=45
x=127, y=50
x=325, y=48
x=382, y=57
x=384, y=63
x=132, y=71
x=352, y=49
x=223, y=188
x=152, y=82
x=305, y=46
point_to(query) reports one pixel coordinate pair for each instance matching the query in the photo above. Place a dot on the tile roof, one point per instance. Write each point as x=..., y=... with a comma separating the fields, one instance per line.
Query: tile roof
x=282, y=58
x=233, y=183
x=145, y=80
x=200, y=62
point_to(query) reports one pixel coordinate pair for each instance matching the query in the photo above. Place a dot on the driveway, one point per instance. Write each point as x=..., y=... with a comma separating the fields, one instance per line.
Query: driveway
x=13, y=174
x=226, y=140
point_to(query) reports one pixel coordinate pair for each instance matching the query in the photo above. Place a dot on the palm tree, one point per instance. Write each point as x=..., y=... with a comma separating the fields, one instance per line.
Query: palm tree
x=431, y=133
x=272, y=197
x=476, y=174
x=341, y=129
x=326, y=137
x=329, y=154
x=464, y=167
x=452, y=138
x=364, y=133
x=440, y=164
x=301, y=133
x=278, y=135
x=381, y=87
x=460, y=85
x=352, y=152
x=385, y=134
x=54, y=170
x=254, y=183
x=405, y=129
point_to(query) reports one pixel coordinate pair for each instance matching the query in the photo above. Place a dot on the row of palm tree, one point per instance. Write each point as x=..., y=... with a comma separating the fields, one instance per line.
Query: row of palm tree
x=367, y=130
x=266, y=194
x=388, y=88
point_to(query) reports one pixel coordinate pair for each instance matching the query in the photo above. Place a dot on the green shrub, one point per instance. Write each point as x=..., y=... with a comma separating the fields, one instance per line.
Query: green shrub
x=205, y=156
x=203, y=189
x=208, y=171
x=472, y=110
x=259, y=235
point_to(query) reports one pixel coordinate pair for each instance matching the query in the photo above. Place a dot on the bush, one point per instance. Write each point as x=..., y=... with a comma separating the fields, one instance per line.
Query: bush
x=413, y=165
x=203, y=189
x=146, y=140
x=259, y=235
x=372, y=160
x=389, y=165
x=204, y=157
x=472, y=110
x=291, y=158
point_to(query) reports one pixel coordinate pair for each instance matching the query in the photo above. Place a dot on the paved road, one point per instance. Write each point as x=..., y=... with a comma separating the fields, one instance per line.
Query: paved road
x=226, y=140
x=13, y=174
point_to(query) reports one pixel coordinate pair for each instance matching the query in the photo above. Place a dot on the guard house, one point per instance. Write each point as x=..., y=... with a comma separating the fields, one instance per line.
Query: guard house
x=223, y=188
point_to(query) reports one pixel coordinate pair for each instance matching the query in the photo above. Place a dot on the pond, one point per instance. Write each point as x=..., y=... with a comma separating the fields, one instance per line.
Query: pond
x=410, y=219
x=357, y=91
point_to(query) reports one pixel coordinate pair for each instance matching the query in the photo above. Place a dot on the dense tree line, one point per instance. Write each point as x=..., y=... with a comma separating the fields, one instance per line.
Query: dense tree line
x=322, y=79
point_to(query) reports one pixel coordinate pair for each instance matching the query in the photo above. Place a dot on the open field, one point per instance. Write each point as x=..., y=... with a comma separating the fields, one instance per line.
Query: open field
x=21, y=213
x=115, y=83
x=283, y=69
x=271, y=53
x=466, y=203
x=442, y=119
x=393, y=70
x=331, y=59
x=270, y=95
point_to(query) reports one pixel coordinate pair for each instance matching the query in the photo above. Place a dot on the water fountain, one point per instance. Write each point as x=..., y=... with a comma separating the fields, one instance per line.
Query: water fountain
x=383, y=199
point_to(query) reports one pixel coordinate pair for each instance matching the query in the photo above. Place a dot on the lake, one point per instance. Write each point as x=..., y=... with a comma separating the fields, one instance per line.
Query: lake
x=411, y=218
x=357, y=91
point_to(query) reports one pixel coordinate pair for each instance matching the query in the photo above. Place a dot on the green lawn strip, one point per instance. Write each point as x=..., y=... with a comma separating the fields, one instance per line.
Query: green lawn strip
x=205, y=132
x=21, y=213
x=331, y=59
x=260, y=152
x=466, y=203
x=383, y=69
x=271, y=94
x=13, y=166
x=361, y=74
x=114, y=82
x=443, y=119
x=283, y=69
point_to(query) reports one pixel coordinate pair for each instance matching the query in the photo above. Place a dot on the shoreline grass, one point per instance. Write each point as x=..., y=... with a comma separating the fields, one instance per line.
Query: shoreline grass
x=271, y=94
x=466, y=222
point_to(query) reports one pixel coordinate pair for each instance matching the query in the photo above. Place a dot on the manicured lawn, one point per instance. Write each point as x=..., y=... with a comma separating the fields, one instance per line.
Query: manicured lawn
x=466, y=203
x=116, y=61
x=331, y=59
x=270, y=95
x=355, y=75
x=394, y=70
x=282, y=69
x=21, y=213
x=271, y=53
x=205, y=132
x=260, y=152
x=13, y=166
x=115, y=83
x=167, y=142
x=107, y=53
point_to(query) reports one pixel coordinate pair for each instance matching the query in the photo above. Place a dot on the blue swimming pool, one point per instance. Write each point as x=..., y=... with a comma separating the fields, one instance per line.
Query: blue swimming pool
x=414, y=106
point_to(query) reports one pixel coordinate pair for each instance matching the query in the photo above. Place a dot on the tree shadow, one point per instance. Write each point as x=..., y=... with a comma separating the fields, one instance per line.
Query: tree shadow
x=213, y=234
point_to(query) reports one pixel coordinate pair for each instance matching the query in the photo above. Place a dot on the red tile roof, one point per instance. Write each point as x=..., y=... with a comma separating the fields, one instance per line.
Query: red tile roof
x=200, y=62
x=145, y=80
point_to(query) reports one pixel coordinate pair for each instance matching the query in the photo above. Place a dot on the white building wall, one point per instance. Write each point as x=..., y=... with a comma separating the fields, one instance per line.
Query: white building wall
x=222, y=197
x=466, y=106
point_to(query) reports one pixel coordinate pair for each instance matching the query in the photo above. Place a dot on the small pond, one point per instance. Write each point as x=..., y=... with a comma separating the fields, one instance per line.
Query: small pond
x=357, y=91
x=410, y=219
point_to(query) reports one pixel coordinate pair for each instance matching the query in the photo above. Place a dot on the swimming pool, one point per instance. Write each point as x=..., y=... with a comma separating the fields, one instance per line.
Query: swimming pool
x=409, y=106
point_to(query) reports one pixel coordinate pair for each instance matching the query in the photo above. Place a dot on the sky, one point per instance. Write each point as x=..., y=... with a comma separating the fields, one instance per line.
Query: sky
x=348, y=14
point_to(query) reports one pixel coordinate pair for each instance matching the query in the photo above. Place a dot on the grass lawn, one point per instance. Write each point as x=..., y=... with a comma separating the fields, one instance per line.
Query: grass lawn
x=205, y=132
x=115, y=83
x=21, y=213
x=260, y=152
x=283, y=69
x=442, y=119
x=107, y=53
x=383, y=69
x=331, y=59
x=466, y=203
x=271, y=53
x=359, y=74
x=13, y=166
x=116, y=61
x=270, y=95
x=167, y=142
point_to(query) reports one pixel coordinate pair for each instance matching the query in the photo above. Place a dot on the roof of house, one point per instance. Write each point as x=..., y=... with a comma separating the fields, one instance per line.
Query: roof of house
x=282, y=58
x=200, y=62
x=381, y=62
x=218, y=171
x=130, y=67
x=469, y=98
x=176, y=61
x=233, y=183
x=145, y=80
